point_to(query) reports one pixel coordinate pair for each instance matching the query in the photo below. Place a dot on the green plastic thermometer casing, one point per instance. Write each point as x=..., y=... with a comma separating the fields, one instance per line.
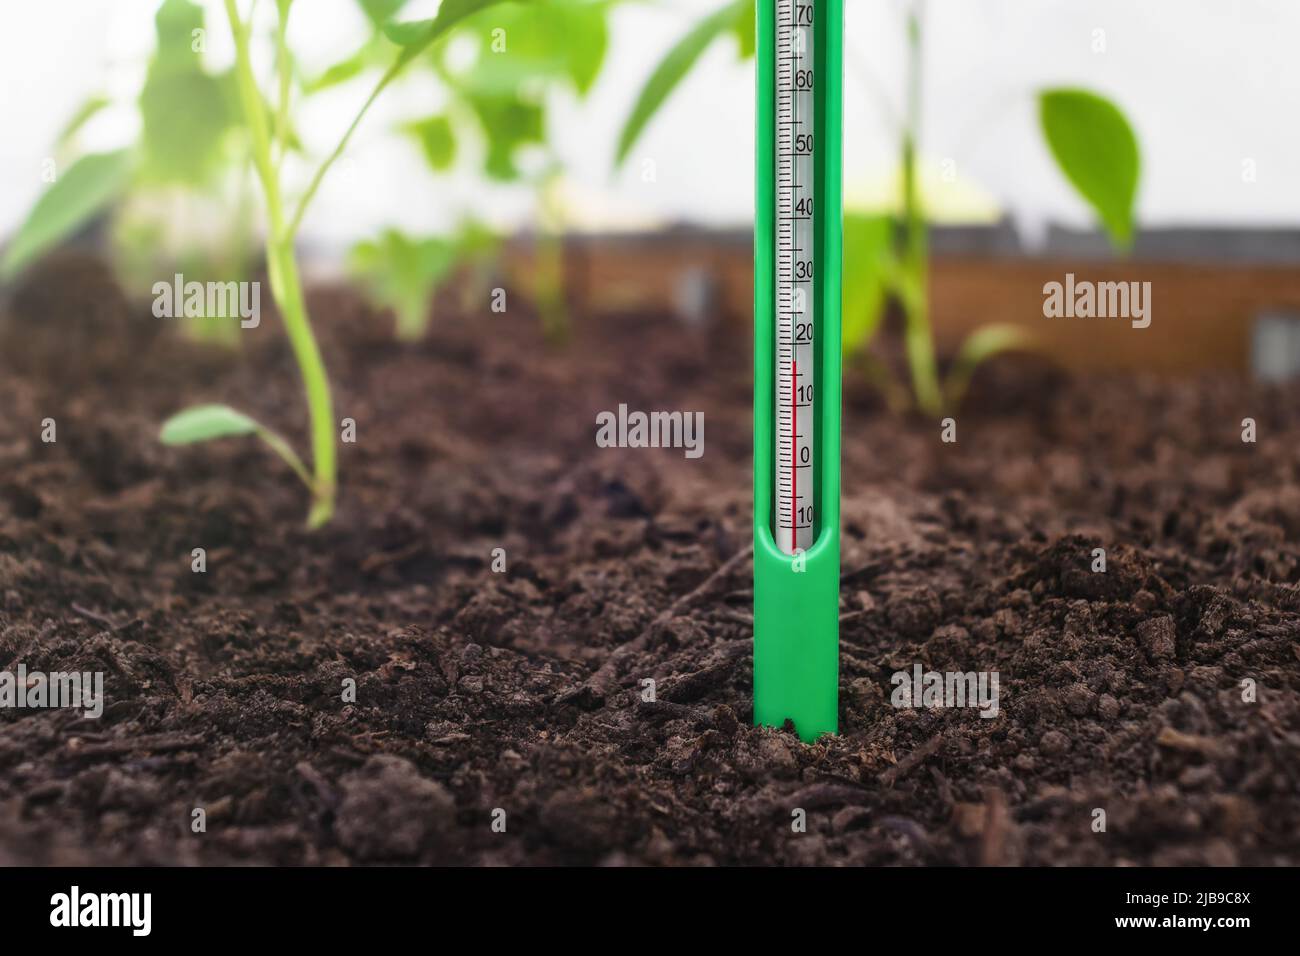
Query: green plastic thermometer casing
x=797, y=271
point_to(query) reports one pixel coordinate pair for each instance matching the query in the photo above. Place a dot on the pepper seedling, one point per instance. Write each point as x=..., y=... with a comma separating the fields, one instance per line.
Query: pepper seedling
x=270, y=139
x=1094, y=146
x=501, y=73
x=886, y=256
x=189, y=163
x=189, y=154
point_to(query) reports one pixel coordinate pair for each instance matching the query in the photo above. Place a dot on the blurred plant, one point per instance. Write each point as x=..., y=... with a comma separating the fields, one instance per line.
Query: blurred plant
x=499, y=70
x=1095, y=148
x=270, y=139
x=1097, y=151
x=402, y=273
x=736, y=19
x=193, y=148
x=502, y=94
x=886, y=257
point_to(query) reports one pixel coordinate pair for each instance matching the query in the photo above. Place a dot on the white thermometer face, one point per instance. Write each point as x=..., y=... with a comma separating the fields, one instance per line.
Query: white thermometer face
x=795, y=319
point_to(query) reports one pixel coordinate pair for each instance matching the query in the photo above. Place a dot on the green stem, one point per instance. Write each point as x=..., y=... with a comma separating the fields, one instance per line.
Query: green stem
x=918, y=337
x=282, y=448
x=282, y=63
x=251, y=101
x=413, y=316
x=286, y=287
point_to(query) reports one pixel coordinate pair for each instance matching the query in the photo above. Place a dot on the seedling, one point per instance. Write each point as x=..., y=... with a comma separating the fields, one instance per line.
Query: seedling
x=191, y=158
x=270, y=137
x=887, y=257
x=401, y=273
x=797, y=365
x=1095, y=148
x=500, y=73
x=524, y=55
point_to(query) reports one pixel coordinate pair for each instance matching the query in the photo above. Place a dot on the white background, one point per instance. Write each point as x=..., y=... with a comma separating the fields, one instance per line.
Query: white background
x=1208, y=84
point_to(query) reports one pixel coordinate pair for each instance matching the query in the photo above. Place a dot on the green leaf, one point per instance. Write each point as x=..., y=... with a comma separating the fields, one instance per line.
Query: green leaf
x=523, y=51
x=207, y=422
x=185, y=118
x=185, y=111
x=981, y=345
x=81, y=193
x=869, y=263
x=546, y=39
x=375, y=52
x=80, y=118
x=543, y=41
x=475, y=241
x=401, y=273
x=1096, y=149
x=509, y=123
x=586, y=39
x=204, y=423
x=174, y=26
x=340, y=72
x=743, y=28
x=380, y=12
x=670, y=71
x=414, y=36
x=437, y=139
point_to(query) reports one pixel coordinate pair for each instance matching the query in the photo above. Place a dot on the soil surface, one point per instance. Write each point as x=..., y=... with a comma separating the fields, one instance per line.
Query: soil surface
x=478, y=692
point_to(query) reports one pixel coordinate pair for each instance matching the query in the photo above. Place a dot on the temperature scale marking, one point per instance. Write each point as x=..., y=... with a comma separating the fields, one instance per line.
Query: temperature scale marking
x=795, y=316
x=797, y=278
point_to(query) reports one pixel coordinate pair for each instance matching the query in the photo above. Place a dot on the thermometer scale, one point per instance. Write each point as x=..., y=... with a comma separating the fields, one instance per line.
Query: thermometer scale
x=796, y=319
x=797, y=364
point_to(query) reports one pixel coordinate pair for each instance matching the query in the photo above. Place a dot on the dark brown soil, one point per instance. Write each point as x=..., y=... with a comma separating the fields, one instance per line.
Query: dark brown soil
x=477, y=690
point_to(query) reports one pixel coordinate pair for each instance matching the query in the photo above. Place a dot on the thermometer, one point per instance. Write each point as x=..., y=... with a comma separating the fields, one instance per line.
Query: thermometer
x=797, y=365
